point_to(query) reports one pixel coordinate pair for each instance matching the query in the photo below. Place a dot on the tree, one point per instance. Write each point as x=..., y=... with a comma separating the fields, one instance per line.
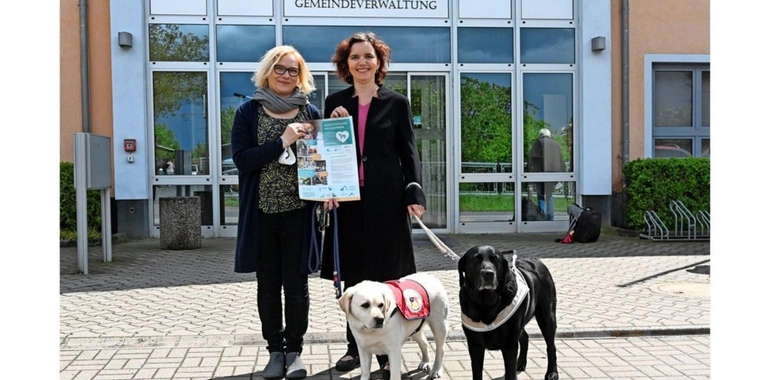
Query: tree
x=166, y=143
x=228, y=116
x=486, y=121
x=172, y=89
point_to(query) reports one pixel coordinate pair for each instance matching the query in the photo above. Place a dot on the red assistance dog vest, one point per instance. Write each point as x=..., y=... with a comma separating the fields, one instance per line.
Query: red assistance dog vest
x=411, y=299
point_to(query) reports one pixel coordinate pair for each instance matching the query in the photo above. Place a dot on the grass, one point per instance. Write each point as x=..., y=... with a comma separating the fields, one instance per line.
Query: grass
x=501, y=203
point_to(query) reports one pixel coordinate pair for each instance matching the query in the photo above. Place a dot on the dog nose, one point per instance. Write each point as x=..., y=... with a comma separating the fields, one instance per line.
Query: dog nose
x=379, y=321
x=488, y=274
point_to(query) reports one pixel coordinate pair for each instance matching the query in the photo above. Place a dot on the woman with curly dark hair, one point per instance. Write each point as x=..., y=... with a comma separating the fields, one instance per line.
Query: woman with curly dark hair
x=375, y=233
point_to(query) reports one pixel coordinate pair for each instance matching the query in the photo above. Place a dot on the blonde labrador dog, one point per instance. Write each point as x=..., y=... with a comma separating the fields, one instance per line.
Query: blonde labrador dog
x=381, y=329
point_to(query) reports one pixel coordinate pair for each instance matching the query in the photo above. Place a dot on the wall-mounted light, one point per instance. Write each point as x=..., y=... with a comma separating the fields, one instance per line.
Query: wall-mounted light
x=598, y=43
x=125, y=39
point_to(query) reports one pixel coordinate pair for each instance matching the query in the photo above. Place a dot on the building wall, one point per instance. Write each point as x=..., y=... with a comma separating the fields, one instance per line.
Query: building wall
x=101, y=115
x=655, y=27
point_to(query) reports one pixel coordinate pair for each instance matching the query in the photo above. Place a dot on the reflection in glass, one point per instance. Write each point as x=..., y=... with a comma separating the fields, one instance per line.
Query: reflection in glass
x=546, y=201
x=485, y=45
x=179, y=124
x=201, y=191
x=230, y=204
x=486, y=202
x=705, y=148
x=672, y=148
x=548, y=103
x=428, y=103
x=672, y=98
x=178, y=43
x=396, y=82
x=547, y=45
x=317, y=97
x=243, y=43
x=486, y=123
x=335, y=85
x=235, y=88
x=705, y=98
x=417, y=45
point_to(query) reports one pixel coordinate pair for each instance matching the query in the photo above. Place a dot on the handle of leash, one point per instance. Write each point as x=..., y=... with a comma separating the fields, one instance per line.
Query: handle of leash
x=436, y=241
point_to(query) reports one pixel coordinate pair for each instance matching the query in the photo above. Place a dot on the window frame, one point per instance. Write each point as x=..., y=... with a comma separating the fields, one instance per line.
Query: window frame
x=697, y=64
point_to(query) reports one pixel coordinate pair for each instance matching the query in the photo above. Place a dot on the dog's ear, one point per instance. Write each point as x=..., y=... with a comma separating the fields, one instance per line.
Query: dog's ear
x=345, y=300
x=387, y=303
x=508, y=253
x=462, y=268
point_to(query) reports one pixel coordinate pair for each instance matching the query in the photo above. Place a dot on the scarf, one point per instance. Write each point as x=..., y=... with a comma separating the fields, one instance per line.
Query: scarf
x=276, y=104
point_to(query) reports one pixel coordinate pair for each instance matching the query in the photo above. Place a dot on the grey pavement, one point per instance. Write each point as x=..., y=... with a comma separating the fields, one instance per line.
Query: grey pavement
x=628, y=308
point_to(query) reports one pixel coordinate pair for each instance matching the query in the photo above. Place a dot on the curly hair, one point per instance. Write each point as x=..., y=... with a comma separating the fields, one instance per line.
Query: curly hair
x=382, y=50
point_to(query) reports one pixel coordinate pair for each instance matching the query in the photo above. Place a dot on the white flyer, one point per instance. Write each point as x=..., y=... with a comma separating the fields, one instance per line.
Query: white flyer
x=326, y=160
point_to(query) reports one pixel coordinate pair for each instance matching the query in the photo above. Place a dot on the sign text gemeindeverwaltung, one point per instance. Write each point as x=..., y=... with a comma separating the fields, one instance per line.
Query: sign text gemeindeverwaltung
x=367, y=8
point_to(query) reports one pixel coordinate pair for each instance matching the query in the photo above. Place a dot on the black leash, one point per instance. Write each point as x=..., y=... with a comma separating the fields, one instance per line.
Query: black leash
x=315, y=254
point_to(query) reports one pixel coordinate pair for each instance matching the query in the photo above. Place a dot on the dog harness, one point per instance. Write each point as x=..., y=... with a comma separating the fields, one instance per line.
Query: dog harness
x=523, y=292
x=411, y=299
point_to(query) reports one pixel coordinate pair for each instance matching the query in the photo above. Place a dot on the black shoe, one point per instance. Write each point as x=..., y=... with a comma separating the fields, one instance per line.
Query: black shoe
x=275, y=368
x=347, y=362
x=386, y=372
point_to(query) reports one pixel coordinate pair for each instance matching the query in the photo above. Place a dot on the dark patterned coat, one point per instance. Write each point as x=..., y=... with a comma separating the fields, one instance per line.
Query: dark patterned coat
x=375, y=233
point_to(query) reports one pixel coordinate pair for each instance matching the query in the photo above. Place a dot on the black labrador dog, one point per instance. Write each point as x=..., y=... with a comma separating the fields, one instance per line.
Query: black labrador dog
x=489, y=291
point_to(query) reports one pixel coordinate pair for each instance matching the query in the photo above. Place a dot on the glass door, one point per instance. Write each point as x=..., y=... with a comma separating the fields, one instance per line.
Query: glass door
x=485, y=173
x=429, y=100
x=548, y=183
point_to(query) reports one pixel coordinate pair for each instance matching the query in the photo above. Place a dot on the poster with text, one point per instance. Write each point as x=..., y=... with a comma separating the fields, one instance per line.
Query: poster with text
x=326, y=160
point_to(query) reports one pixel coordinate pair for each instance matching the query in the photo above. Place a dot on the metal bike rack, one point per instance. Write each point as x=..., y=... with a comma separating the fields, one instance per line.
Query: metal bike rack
x=688, y=226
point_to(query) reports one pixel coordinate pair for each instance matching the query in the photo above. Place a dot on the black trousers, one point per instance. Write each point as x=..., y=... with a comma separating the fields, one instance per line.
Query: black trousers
x=280, y=256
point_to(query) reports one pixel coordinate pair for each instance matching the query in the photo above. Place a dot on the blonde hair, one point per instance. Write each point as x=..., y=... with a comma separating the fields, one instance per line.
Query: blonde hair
x=272, y=57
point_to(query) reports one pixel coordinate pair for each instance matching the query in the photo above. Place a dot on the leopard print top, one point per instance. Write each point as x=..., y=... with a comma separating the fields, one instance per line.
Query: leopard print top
x=278, y=186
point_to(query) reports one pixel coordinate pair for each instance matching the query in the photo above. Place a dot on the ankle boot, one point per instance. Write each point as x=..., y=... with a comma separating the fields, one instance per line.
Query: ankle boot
x=294, y=367
x=275, y=369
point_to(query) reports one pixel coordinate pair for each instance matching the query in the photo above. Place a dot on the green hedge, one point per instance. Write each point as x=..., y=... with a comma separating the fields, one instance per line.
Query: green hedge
x=651, y=184
x=69, y=203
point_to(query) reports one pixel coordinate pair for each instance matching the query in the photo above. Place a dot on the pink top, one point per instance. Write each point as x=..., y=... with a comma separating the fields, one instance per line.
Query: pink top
x=363, y=111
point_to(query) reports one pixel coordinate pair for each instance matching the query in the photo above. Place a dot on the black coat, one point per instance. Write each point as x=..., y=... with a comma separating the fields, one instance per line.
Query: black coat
x=375, y=233
x=249, y=157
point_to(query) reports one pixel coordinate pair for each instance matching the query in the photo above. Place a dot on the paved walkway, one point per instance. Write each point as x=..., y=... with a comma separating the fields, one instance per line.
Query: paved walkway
x=153, y=313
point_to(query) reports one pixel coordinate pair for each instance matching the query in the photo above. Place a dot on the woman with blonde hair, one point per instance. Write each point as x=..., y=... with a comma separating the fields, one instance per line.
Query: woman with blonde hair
x=274, y=223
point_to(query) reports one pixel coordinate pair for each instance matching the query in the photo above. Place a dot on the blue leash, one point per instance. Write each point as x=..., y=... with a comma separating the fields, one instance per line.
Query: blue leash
x=315, y=254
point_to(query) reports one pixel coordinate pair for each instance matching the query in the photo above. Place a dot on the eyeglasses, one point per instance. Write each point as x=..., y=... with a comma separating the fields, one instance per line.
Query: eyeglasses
x=292, y=71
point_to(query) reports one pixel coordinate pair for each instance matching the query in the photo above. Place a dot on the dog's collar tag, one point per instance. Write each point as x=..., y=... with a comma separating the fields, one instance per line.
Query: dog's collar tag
x=523, y=291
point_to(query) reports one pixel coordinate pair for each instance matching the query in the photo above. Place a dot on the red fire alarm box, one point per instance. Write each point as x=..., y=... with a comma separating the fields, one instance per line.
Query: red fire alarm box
x=130, y=145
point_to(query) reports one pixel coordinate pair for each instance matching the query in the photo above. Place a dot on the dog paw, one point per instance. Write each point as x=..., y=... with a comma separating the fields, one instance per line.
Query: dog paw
x=424, y=366
x=521, y=367
x=552, y=376
x=434, y=375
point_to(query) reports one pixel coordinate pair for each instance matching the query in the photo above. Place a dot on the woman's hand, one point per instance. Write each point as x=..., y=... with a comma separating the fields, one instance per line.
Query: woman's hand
x=417, y=210
x=339, y=111
x=329, y=204
x=295, y=131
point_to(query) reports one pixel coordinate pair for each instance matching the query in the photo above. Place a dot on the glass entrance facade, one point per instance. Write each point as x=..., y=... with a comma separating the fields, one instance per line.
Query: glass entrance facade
x=482, y=85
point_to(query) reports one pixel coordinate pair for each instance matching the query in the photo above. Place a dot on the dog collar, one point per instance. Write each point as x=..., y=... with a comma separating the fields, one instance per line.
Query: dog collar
x=523, y=291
